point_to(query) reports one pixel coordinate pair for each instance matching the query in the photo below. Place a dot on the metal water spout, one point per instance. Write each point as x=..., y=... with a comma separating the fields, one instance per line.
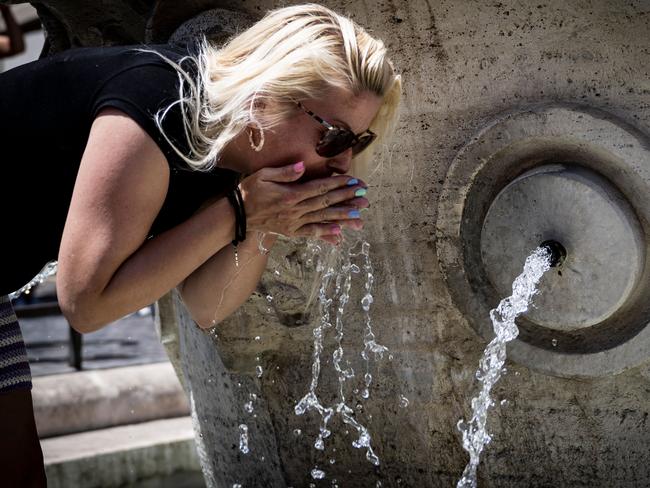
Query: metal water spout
x=557, y=252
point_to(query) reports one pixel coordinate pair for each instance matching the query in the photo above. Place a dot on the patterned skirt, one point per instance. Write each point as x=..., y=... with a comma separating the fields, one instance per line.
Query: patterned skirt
x=14, y=367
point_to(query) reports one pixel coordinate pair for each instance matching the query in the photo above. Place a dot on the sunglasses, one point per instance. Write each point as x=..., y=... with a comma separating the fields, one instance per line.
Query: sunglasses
x=335, y=139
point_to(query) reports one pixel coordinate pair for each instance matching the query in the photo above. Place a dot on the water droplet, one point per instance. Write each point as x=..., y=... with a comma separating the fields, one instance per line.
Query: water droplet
x=257, y=338
x=297, y=432
x=243, y=439
x=259, y=371
x=366, y=301
x=403, y=401
x=317, y=474
x=554, y=342
x=504, y=402
x=248, y=406
x=236, y=485
x=332, y=461
x=269, y=298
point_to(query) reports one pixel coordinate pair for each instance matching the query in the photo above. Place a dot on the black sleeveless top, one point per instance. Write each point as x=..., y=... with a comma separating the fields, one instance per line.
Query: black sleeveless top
x=46, y=110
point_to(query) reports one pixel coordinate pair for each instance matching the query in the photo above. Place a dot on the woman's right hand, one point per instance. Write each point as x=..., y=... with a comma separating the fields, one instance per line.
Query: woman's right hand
x=275, y=203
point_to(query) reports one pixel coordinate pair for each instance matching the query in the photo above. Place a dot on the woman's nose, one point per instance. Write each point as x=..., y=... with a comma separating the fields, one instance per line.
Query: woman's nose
x=342, y=162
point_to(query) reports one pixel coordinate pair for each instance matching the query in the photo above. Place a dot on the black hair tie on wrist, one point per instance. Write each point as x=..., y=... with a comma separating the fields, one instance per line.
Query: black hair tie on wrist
x=237, y=202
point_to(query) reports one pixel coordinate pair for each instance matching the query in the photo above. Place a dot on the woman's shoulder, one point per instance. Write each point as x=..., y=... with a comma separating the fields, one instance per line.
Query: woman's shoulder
x=145, y=53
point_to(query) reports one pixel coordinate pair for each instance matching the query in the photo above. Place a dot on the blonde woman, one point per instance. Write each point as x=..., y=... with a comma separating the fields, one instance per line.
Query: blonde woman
x=145, y=170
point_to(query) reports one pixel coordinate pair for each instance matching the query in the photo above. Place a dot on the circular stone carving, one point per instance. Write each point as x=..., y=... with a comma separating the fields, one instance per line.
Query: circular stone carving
x=571, y=174
x=217, y=25
x=591, y=219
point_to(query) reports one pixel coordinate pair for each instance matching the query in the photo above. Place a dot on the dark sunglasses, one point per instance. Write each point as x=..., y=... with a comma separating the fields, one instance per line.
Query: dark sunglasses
x=335, y=139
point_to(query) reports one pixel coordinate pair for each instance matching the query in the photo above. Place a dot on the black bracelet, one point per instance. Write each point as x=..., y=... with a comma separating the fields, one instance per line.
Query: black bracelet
x=237, y=202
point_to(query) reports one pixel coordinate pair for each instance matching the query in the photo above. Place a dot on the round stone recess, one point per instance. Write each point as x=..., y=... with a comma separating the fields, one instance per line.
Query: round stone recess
x=591, y=219
x=568, y=173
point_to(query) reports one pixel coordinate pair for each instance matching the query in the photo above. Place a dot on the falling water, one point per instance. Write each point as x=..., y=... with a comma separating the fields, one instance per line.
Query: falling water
x=310, y=401
x=337, y=270
x=369, y=342
x=243, y=439
x=475, y=435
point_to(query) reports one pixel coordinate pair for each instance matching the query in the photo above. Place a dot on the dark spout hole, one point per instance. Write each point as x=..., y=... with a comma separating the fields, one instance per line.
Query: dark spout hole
x=557, y=251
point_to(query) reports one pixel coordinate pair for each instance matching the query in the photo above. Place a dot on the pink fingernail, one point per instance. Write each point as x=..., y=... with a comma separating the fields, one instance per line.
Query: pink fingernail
x=336, y=230
x=298, y=167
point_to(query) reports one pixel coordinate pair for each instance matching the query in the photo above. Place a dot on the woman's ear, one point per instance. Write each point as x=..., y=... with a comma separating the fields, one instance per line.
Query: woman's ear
x=257, y=111
x=258, y=104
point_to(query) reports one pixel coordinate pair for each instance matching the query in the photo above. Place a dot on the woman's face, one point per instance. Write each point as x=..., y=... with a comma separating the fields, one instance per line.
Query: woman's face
x=295, y=138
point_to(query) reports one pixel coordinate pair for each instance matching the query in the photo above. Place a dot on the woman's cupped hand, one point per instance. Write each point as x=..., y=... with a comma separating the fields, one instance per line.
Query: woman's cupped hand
x=275, y=202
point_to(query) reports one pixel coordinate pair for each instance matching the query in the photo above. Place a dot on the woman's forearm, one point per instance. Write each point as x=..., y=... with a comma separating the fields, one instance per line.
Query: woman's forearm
x=159, y=265
x=220, y=286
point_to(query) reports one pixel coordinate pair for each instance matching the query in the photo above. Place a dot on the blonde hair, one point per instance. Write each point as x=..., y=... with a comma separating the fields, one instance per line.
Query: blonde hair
x=292, y=53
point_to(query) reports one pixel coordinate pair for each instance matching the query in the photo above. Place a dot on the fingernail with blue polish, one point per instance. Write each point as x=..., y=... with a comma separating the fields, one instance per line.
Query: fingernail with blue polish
x=360, y=192
x=352, y=182
x=354, y=214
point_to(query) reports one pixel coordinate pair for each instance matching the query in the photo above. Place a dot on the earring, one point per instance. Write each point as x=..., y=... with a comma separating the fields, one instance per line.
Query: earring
x=256, y=147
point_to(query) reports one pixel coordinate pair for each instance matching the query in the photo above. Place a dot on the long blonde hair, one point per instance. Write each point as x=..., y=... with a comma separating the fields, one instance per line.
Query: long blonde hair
x=292, y=53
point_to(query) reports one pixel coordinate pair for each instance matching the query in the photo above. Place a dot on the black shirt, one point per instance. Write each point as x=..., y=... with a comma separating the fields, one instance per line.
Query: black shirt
x=46, y=110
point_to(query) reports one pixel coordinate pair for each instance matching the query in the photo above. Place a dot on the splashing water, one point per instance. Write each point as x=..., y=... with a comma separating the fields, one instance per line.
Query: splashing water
x=475, y=435
x=337, y=275
x=310, y=400
x=369, y=342
x=243, y=439
x=48, y=270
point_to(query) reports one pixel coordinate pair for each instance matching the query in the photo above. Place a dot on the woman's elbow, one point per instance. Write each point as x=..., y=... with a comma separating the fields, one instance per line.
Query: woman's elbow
x=203, y=319
x=80, y=313
x=201, y=315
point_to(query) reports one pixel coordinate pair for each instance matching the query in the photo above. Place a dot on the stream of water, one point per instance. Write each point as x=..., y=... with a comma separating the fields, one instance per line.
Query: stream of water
x=474, y=431
x=337, y=268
